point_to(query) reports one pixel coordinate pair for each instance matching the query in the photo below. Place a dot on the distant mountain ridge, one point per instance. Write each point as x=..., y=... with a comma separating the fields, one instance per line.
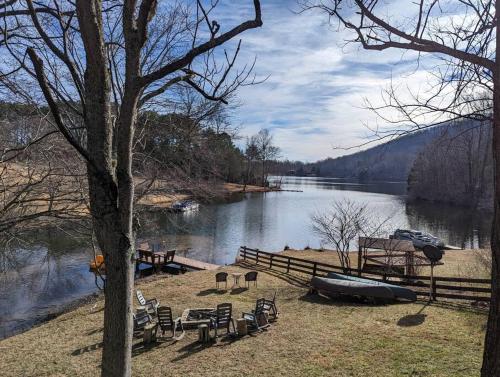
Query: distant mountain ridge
x=391, y=161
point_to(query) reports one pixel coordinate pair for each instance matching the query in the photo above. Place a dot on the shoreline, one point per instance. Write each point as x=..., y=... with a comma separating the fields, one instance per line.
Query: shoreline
x=320, y=255
x=77, y=304
x=66, y=308
x=226, y=190
x=72, y=343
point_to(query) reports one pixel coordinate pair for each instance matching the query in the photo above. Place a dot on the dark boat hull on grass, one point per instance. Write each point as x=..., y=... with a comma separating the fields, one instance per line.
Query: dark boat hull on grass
x=399, y=292
x=336, y=287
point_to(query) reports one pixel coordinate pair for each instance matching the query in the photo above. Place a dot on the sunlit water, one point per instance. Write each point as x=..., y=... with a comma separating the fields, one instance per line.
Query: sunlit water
x=54, y=272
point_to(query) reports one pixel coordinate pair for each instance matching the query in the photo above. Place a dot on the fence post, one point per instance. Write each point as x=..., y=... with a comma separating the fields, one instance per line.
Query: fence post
x=271, y=261
x=434, y=289
x=360, y=251
x=244, y=253
x=314, y=268
x=257, y=257
x=288, y=266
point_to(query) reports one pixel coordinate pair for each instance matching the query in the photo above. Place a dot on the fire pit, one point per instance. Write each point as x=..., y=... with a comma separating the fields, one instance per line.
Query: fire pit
x=191, y=318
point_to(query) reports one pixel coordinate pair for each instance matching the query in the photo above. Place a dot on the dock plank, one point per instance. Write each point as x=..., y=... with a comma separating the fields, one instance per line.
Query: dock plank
x=193, y=263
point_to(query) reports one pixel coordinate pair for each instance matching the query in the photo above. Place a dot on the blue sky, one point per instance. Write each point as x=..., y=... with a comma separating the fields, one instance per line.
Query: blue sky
x=313, y=100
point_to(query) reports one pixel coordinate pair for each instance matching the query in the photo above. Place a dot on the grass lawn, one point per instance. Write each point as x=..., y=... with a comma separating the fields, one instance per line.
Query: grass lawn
x=314, y=336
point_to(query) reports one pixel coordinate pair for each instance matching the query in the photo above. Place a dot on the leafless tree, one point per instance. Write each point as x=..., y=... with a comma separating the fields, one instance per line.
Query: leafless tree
x=464, y=35
x=343, y=222
x=96, y=63
x=340, y=226
x=266, y=151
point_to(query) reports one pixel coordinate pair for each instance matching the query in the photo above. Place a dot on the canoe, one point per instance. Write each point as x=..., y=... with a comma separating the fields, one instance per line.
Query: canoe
x=399, y=292
x=336, y=287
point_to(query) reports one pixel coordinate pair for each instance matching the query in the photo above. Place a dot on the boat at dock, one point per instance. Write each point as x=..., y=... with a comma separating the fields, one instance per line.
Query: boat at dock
x=185, y=206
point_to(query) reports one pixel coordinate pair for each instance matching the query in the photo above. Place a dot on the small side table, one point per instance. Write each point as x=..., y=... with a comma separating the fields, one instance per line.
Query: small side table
x=149, y=333
x=203, y=333
x=236, y=277
x=241, y=326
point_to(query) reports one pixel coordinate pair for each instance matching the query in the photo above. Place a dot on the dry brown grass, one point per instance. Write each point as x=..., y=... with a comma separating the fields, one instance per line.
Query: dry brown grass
x=313, y=336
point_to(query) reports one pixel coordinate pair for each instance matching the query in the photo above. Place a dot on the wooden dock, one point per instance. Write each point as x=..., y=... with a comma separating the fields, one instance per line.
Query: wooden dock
x=158, y=260
x=193, y=263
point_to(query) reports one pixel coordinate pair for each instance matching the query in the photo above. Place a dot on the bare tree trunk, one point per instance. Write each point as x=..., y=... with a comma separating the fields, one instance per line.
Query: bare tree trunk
x=491, y=356
x=110, y=192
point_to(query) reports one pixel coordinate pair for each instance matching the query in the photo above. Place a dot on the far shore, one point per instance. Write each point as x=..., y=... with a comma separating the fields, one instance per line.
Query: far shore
x=165, y=201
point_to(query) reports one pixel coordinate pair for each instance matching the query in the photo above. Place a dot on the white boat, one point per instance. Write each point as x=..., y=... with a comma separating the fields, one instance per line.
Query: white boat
x=419, y=238
x=185, y=206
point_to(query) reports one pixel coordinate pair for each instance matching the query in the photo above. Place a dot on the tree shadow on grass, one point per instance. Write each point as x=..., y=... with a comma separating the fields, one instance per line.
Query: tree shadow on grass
x=191, y=349
x=314, y=298
x=92, y=347
x=346, y=300
x=140, y=348
x=413, y=319
x=211, y=291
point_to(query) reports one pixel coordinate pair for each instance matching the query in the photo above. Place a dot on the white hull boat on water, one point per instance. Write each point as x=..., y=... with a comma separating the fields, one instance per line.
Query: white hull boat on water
x=185, y=206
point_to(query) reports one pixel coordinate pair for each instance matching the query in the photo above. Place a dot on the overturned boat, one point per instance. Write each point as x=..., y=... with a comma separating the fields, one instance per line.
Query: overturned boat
x=399, y=292
x=418, y=238
x=344, y=285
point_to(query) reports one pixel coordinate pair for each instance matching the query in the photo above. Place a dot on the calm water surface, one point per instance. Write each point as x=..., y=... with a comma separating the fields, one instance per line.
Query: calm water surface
x=53, y=271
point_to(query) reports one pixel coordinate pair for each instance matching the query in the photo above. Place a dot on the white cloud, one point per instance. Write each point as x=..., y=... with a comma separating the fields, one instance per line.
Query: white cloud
x=313, y=99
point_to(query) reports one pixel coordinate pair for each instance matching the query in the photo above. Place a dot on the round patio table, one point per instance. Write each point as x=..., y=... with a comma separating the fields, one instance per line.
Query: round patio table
x=236, y=277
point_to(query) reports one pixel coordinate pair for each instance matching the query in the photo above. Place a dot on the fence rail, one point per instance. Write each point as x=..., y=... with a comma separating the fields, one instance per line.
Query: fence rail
x=455, y=288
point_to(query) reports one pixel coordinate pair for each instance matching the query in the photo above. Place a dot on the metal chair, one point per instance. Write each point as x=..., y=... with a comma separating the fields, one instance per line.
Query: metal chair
x=270, y=307
x=167, y=323
x=150, y=305
x=169, y=256
x=223, y=318
x=220, y=277
x=251, y=276
x=141, y=319
x=257, y=320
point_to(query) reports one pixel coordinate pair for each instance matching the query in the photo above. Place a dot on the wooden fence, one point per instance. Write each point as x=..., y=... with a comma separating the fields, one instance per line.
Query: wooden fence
x=443, y=287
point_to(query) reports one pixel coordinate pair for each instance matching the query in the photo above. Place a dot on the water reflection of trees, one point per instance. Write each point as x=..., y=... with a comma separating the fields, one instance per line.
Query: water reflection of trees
x=456, y=225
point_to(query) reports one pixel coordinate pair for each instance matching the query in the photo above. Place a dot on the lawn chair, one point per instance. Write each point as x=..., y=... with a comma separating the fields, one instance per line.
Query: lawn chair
x=167, y=323
x=270, y=307
x=141, y=319
x=257, y=320
x=169, y=256
x=220, y=277
x=149, y=305
x=251, y=276
x=223, y=318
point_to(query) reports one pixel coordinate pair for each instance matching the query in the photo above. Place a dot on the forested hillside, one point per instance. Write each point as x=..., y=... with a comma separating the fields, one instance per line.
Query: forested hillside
x=390, y=161
x=456, y=168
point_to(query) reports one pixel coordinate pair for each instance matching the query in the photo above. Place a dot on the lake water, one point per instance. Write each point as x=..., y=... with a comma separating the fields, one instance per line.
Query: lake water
x=53, y=271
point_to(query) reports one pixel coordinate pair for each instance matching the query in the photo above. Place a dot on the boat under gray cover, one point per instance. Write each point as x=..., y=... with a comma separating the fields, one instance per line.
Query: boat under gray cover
x=399, y=292
x=335, y=287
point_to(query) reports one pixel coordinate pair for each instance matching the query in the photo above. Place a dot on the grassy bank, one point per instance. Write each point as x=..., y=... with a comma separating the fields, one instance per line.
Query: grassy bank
x=160, y=201
x=314, y=336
